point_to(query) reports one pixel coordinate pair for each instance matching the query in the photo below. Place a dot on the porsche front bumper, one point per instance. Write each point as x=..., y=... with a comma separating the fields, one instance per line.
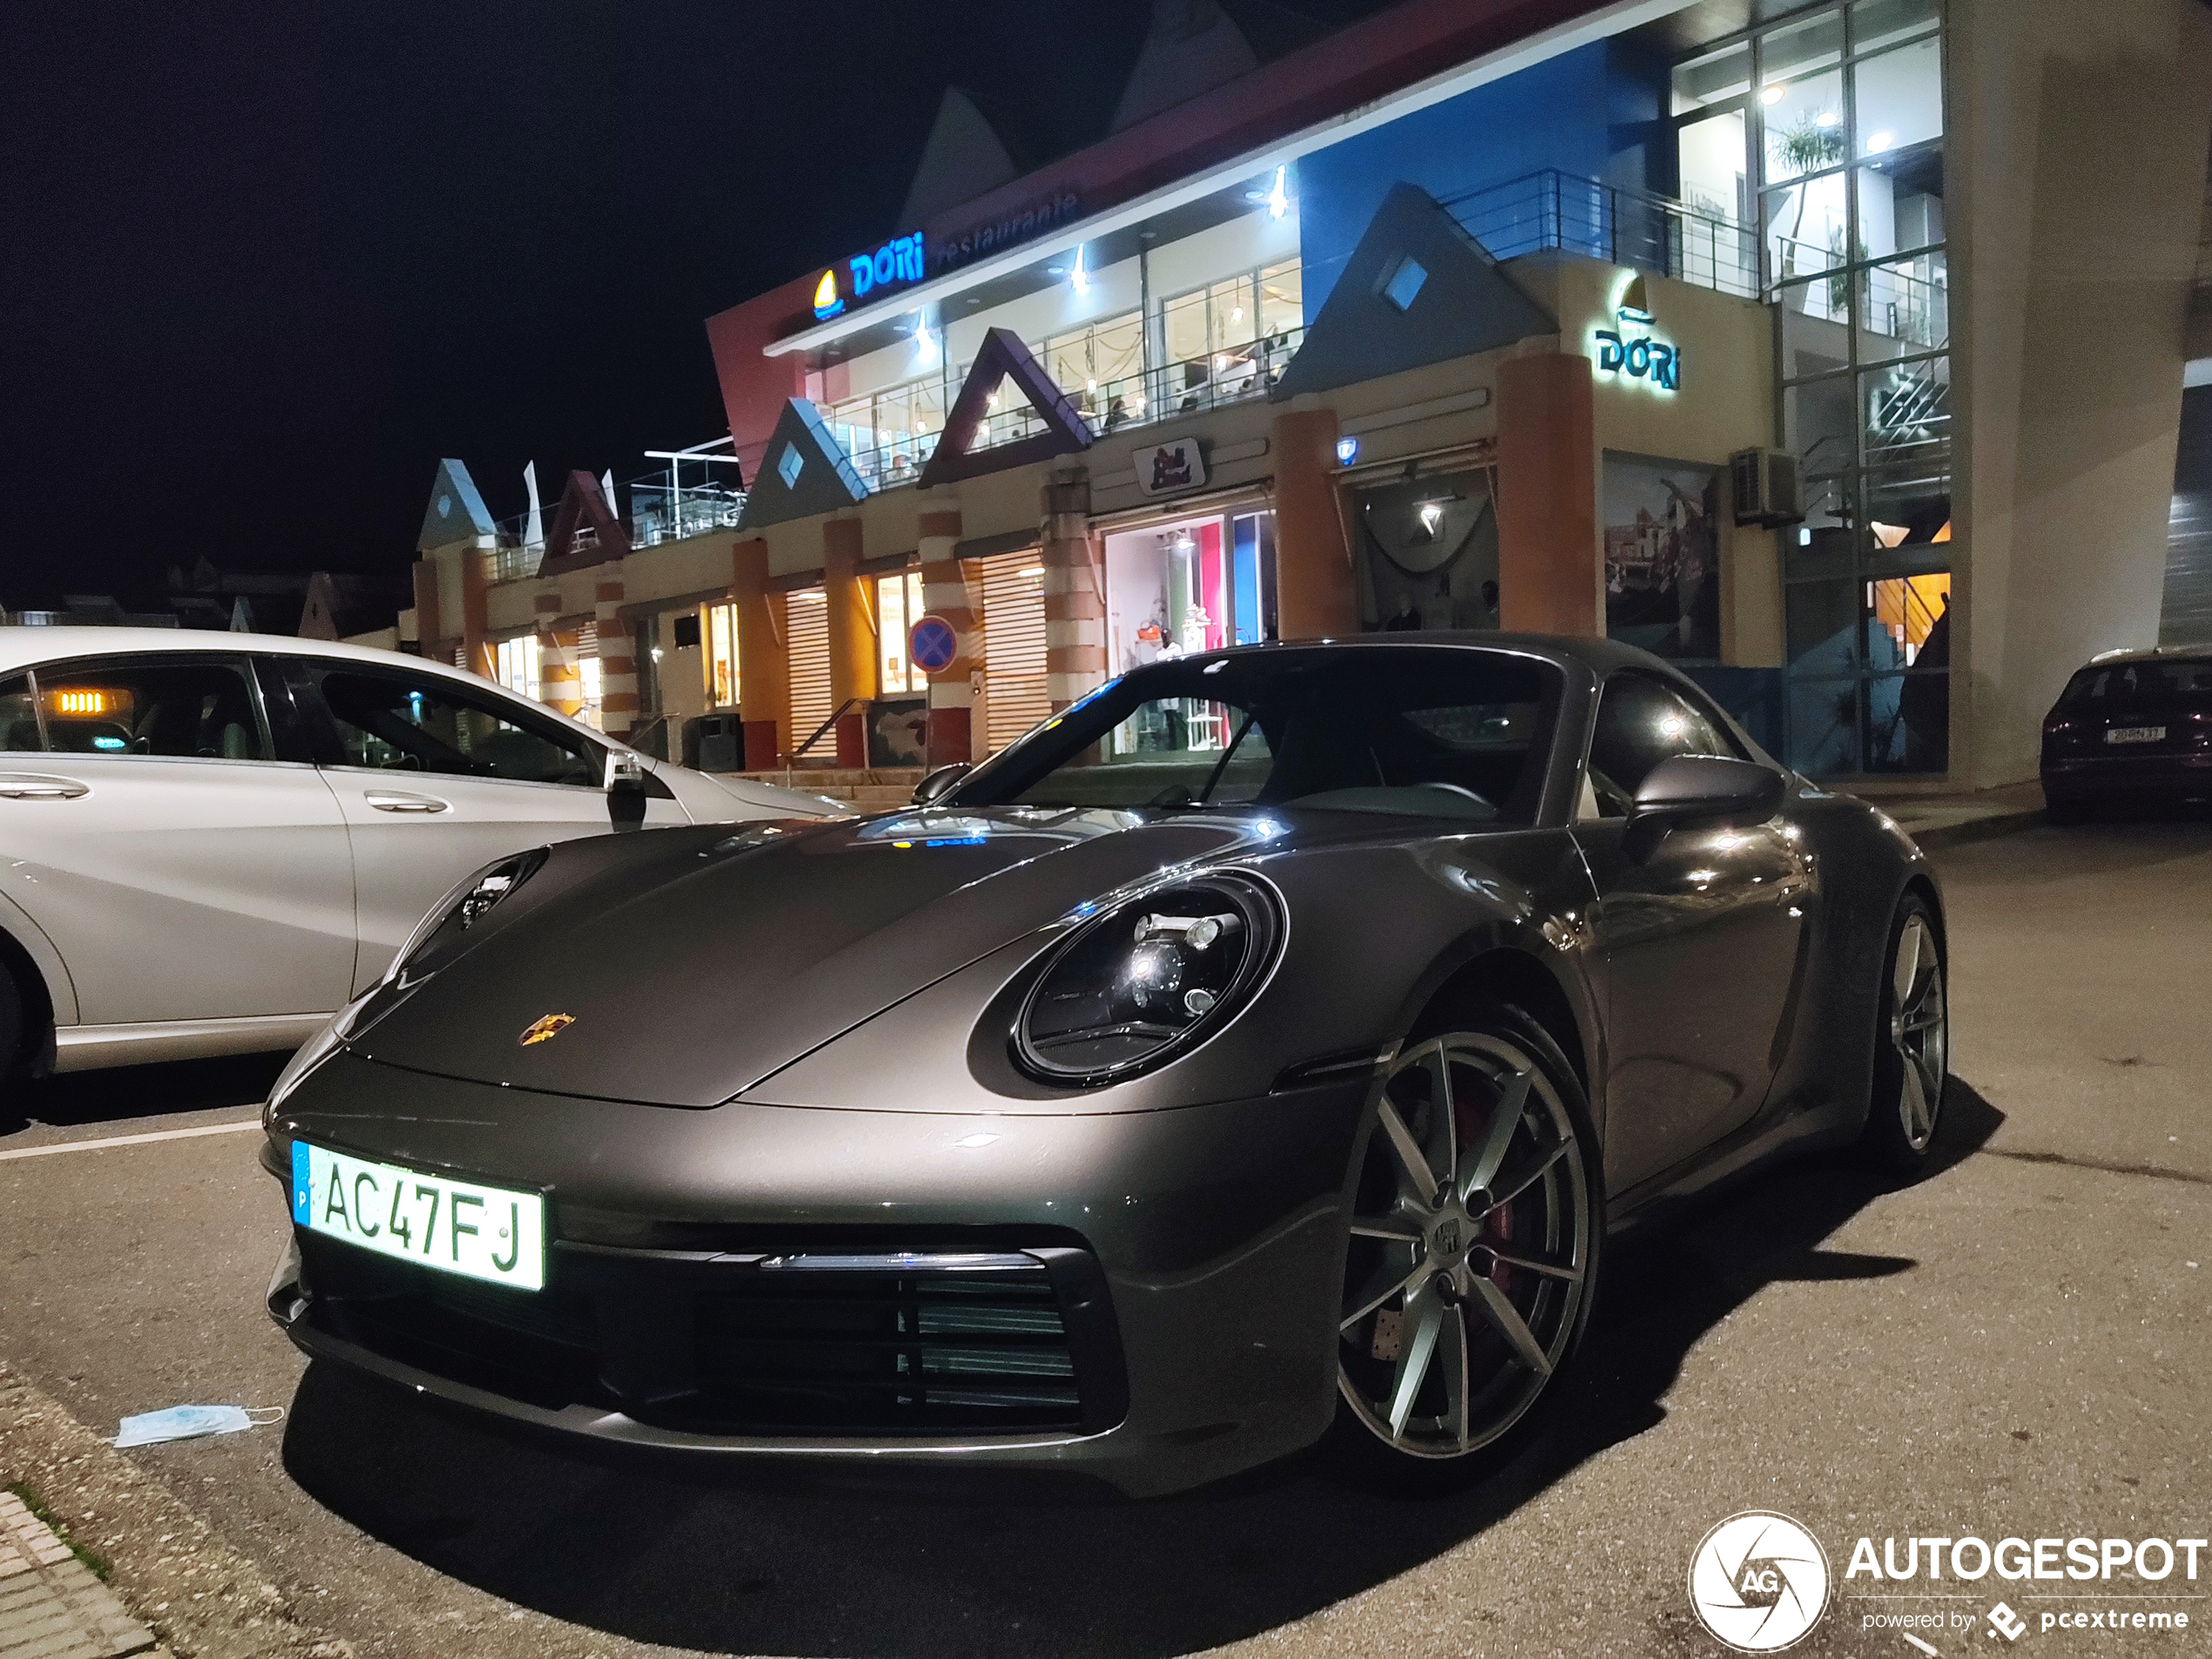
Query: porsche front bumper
x=1148, y=1298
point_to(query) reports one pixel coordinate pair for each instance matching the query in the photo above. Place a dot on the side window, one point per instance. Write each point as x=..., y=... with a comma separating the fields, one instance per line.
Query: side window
x=179, y=706
x=1640, y=722
x=19, y=733
x=403, y=722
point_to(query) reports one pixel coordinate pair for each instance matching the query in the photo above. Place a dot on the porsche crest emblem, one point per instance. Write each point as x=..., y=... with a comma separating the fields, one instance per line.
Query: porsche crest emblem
x=545, y=1028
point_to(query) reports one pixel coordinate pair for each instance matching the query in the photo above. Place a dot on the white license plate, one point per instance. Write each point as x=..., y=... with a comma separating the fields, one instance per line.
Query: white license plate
x=2137, y=734
x=454, y=1226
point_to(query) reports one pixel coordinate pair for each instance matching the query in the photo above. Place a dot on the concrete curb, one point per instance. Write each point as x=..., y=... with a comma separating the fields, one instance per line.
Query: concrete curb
x=1983, y=828
x=203, y=1598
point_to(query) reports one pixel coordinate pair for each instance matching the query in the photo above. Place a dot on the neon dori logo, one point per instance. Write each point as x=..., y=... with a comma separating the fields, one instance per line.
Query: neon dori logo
x=1758, y=1582
x=1641, y=357
x=898, y=262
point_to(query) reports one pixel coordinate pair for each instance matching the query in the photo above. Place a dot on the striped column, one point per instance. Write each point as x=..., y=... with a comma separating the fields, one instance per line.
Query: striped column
x=618, y=656
x=851, y=636
x=952, y=690
x=1074, y=608
x=560, y=676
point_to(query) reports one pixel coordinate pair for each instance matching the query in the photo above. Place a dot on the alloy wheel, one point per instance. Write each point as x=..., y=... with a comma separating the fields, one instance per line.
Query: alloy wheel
x=1471, y=1243
x=1919, y=1029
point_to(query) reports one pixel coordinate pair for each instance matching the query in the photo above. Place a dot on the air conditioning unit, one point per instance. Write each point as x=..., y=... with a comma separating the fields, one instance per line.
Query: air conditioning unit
x=1765, y=483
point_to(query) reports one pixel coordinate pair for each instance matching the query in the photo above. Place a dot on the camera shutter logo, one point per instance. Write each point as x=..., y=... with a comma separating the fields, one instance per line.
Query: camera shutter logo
x=1759, y=1581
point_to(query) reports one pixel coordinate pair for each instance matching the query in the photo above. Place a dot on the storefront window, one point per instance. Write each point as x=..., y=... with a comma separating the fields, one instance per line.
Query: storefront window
x=719, y=635
x=1180, y=589
x=898, y=605
x=515, y=661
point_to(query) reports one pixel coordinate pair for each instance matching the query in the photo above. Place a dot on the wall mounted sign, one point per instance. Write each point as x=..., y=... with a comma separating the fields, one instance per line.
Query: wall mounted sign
x=1169, y=465
x=931, y=644
x=1632, y=351
x=1005, y=232
x=894, y=264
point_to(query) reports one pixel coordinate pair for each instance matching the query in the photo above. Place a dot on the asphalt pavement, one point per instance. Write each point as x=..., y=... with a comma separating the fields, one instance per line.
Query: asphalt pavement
x=2016, y=1346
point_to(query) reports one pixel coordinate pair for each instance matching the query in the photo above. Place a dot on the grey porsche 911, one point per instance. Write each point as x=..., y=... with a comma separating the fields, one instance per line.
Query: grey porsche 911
x=1258, y=1053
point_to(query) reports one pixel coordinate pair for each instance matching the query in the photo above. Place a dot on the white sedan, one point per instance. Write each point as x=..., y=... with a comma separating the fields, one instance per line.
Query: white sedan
x=208, y=842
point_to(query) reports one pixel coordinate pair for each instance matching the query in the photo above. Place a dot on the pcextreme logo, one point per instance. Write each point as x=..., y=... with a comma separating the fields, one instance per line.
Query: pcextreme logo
x=1759, y=1581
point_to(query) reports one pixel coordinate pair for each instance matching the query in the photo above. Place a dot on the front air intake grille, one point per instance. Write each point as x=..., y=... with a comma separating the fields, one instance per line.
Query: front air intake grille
x=942, y=1340
x=838, y=1340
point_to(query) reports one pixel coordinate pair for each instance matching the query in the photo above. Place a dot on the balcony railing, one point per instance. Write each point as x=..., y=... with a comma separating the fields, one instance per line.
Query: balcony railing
x=658, y=514
x=1655, y=233
x=1231, y=375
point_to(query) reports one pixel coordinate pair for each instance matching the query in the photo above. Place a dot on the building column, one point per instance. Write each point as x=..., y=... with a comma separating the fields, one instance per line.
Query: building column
x=618, y=656
x=764, y=660
x=951, y=689
x=475, y=612
x=1075, y=607
x=851, y=636
x=1314, y=594
x=429, y=629
x=1551, y=563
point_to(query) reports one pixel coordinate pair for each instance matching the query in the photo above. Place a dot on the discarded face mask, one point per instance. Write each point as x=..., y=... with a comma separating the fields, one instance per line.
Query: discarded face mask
x=192, y=1423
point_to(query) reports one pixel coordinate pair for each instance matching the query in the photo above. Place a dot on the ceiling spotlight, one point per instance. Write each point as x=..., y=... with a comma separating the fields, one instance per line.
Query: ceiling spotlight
x=1879, y=142
x=1772, y=94
x=1826, y=119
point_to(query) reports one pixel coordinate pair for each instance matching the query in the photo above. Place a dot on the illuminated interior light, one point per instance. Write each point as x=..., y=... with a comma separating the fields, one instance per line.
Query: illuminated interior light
x=1236, y=313
x=1773, y=94
x=1079, y=279
x=1278, y=200
x=1828, y=118
x=1879, y=142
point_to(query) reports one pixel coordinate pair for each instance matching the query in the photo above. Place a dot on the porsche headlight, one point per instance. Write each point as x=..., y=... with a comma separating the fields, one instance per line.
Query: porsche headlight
x=439, y=935
x=1146, y=981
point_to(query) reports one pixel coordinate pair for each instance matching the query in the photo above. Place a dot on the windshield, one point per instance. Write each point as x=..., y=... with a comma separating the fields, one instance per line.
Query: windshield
x=1444, y=732
x=2127, y=682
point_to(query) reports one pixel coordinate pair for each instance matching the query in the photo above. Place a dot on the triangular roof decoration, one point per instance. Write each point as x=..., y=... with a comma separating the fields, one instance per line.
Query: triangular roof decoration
x=1003, y=357
x=1192, y=47
x=456, y=512
x=964, y=159
x=804, y=471
x=1417, y=290
x=583, y=504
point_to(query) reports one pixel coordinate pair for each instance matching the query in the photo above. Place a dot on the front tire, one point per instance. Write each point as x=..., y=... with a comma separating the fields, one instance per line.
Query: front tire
x=1478, y=1213
x=1912, y=1044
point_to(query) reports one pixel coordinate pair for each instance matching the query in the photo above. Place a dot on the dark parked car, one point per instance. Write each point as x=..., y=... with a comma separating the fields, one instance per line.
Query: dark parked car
x=2132, y=729
x=1266, y=1042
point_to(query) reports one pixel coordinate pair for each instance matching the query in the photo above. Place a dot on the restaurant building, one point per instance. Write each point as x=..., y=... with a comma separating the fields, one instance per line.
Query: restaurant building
x=1834, y=351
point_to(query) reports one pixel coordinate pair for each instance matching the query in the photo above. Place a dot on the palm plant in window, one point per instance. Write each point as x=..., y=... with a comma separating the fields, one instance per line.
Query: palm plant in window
x=1803, y=147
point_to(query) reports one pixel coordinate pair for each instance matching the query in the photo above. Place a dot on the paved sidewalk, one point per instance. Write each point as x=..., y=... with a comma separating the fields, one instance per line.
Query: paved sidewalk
x=51, y=1606
x=203, y=1598
x=1944, y=820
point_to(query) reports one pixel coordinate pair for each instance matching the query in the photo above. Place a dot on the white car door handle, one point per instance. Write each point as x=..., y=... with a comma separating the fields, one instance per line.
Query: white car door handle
x=393, y=800
x=24, y=786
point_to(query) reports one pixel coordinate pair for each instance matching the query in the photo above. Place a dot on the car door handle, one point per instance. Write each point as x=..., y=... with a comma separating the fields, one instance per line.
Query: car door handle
x=23, y=786
x=393, y=800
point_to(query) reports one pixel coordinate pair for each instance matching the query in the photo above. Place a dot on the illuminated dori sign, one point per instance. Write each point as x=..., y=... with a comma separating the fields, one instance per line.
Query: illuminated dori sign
x=1632, y=351
x=898, y=262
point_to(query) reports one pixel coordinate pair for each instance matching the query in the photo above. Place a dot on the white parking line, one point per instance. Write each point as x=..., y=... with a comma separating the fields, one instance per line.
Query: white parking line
x=128, y=1140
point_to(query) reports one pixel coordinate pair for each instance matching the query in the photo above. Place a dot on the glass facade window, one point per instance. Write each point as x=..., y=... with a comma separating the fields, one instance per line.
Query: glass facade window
x=898, y=605
x=1230, y=339
x=1844, y=135
x=718, y=634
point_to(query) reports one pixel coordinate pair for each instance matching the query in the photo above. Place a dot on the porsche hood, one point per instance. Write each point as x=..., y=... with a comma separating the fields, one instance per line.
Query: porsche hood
x=680, y=968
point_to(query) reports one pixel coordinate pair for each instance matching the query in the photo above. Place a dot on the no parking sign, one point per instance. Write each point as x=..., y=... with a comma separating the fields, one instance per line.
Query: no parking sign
x=931, y=644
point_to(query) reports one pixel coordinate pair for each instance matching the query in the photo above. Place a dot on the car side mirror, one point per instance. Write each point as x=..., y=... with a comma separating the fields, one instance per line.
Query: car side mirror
x=1685, y=787
x=626, y=786
x=940, y=782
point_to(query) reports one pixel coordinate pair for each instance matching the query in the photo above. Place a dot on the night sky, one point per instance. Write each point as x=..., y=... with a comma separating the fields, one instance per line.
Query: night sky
x=266, y=264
